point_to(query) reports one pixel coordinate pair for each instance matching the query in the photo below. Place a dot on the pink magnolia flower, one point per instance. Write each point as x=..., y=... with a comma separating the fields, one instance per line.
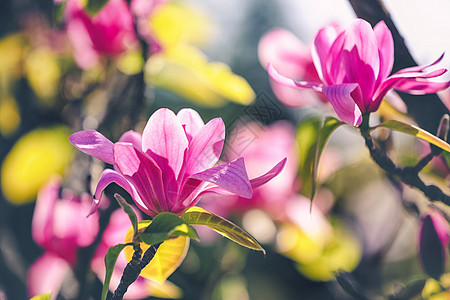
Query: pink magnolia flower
x=354, y=66
x=171, y=164
x=60, y=227
x=109, y=33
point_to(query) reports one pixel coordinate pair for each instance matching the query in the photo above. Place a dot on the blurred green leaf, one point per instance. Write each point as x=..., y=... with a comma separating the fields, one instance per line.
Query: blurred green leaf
x=42, y=297
x=164, y=226
x=415, y=131
x=349, y=284
x=446, y=157
x=110, y=262
x=130, y=212
x=199, y=216
x=411, y=290
x=94, y=6
x=312, y=136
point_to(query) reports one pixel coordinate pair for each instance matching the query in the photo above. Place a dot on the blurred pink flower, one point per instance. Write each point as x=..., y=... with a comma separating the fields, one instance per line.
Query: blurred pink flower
x=59, y=226
x=262, y=148
x=291, y=58
x=171, y=164
x=354, y=65
x=109, y=33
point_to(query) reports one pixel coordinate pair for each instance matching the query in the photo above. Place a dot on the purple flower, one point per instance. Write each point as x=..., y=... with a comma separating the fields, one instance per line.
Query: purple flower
x=354, y=65
x=171, y=164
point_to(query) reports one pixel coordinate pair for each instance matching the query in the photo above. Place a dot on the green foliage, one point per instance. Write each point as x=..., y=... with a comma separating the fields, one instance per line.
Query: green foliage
x=312, y=136
x=199, y=216
x=415, y=131
x=94, y=6
x=349, y=284
x=130, y=212
x=164, y=226
x=411, y=290
x=110, y=262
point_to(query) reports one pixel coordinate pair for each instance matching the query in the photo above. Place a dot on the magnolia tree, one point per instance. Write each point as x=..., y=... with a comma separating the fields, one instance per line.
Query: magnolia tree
x=128, y=85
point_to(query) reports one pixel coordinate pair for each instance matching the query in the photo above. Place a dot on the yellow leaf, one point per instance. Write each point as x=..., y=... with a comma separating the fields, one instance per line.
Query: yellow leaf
x=178, y=22
x=168, y=258
x=131, y=62
x=341, y=253
x=43, y=73
x=33, y=160
x=185, y=71
x=9, y=116
x=165, y=290
x=11, y=54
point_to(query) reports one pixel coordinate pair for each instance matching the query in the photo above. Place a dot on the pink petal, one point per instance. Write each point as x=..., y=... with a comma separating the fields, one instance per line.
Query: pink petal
x=93, y=143
x=256, y=182
x=46, y=275
x=334, y=64
x=132, y=137
x=42, y=223
x=144, y=174
x=110, y=176
x=205, y=148
x=285, y=52
x=191, y=122
x=420, y=68
x=385, y=49
x=83, y=51
x=230, y=176
x=277, y=77
x=165, y=141
x=360, y=58
x=342, y=98
x=321, y=51
x=410, y=82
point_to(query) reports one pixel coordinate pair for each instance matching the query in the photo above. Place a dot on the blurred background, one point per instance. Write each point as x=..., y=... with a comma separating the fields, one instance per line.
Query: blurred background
x=360, y=222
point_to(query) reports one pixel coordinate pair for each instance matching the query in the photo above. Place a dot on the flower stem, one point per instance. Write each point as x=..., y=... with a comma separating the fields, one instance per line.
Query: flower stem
x=134, y=268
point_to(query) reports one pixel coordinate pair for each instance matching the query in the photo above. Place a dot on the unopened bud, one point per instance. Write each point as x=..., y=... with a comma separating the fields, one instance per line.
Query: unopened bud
x=442, y=133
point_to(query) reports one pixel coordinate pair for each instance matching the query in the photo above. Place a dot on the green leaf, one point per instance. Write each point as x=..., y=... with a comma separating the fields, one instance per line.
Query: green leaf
x=199, y=216
x=164, y=226
x=94, y=6
x=42, y=297
x=312, y=136
x=410, y=291
x=110, y=262
x=446, y=157
x=130, y=212
x=349, y=284
x=415, y=131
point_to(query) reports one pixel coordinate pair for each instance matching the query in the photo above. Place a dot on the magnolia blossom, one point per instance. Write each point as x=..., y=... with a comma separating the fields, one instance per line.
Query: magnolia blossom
x=293, y=59
x=171, y=164
x=60, y=227
x=109, y=33
x=354, y=67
